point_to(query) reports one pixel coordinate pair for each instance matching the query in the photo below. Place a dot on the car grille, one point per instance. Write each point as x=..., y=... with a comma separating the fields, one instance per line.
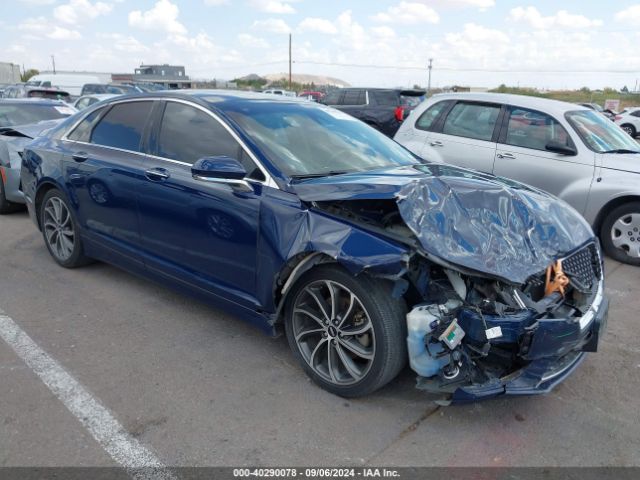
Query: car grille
x=583, y=267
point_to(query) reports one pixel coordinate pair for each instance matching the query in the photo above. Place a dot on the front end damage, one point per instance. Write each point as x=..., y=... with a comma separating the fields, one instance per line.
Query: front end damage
x=504, y=284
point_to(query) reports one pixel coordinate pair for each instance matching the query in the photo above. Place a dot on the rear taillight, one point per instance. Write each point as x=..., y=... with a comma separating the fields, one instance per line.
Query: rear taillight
x=399, y=113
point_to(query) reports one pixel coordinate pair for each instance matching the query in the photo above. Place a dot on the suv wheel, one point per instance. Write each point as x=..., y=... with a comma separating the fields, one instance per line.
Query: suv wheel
x=348, y=333
x=620, y=233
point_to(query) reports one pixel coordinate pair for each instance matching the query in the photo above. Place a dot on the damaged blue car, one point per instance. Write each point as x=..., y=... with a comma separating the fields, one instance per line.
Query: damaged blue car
x=300, y=218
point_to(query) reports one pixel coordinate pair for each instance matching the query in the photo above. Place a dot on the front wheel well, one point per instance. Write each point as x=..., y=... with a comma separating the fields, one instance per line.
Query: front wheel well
x=41, y=192
x=615, y=203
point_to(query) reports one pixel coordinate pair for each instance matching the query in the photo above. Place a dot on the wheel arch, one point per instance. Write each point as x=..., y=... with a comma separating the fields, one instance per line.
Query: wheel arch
x=614, y=203
x=41, y=191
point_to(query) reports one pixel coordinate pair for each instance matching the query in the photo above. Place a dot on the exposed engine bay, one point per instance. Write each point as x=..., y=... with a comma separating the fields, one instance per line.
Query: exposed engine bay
x=469, y=332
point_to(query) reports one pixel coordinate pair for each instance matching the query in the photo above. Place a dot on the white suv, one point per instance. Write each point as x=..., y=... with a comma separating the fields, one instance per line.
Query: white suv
x=629, y=121
x=566, y=149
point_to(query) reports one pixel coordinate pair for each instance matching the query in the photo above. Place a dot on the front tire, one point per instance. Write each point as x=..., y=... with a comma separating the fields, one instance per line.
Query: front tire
x=348, y=333
x=620, y=233
x=60, y=230
x=630, y=129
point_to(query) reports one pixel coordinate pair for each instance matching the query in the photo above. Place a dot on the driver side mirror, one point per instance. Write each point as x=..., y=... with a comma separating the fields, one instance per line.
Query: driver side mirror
x=561, y=148
x=222, y=170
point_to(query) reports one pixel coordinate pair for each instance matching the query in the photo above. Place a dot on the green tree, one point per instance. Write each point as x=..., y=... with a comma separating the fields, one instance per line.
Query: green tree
x=28, y=74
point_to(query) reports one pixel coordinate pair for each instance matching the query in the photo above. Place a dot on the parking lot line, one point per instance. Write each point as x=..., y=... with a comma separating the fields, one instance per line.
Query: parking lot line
x=139, y=461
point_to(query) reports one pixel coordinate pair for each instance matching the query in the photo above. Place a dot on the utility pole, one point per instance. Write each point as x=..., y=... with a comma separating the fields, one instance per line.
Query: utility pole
x=289, y=61
x=53, y=61
x=429, y=84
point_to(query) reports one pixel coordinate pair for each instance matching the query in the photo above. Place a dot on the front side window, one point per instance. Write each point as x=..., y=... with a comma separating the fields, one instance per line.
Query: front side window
x=535, y=130
x=122, y=126
x=601, y=134
x=472, y=120
x=188, y=134
x=428, y=118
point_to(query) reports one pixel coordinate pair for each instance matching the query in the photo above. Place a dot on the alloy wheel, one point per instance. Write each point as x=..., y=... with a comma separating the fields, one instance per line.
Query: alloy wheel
x=58, y=229
x=625, y=234
x=334, y=332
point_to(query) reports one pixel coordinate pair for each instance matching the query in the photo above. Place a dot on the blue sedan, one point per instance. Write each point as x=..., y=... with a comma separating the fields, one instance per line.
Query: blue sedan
x=299, y=218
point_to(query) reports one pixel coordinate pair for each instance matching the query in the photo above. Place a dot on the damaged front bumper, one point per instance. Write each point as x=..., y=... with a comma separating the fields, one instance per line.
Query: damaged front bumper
x=545, y=350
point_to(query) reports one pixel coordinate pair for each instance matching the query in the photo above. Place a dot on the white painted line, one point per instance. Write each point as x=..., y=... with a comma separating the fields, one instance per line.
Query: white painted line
x=140, y=462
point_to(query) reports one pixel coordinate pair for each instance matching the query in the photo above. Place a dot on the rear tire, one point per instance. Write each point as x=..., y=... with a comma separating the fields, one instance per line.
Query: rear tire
x=60, y=230
x=351, y=338
x=620, y=233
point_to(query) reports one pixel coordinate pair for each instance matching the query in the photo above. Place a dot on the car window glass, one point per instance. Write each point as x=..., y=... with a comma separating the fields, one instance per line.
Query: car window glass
x=353, y=97
x=82, y=103
x=188, y=134
x=472, y=120
x=533, y=129
x=332, y=98
x=388, y=98
x=635, y=113
x=122, y=126
x=82, y=133
x=427, y=119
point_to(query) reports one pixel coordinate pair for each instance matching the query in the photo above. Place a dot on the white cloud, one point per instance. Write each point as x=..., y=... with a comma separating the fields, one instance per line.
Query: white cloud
x=124, y=43
x=313, y=24
x=383, y=31
x=273, y=6
x=216, y=3
x=563, y=19
x=79, y=10
x=248, y=40
x=272, y=25
x=38, y=2
x=60, y=33
x=408, y=13
x=629, y=15
x=163, y=16
x=481, y=4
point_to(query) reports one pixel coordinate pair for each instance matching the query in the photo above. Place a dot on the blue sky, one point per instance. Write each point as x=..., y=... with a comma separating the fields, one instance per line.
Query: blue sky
x=546, y=44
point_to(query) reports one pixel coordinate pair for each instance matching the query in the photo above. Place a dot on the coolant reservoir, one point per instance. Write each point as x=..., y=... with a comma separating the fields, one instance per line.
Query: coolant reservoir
x=419, y=321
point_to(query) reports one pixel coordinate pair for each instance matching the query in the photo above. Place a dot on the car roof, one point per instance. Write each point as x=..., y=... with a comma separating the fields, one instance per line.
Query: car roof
x=101, y=96
x=216, y=98
x=536, y=103
x=39, y=101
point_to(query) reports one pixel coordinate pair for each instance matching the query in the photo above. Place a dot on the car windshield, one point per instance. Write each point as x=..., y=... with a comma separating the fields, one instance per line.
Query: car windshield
x=24, y=114
x=600, y=134
x=306, y=139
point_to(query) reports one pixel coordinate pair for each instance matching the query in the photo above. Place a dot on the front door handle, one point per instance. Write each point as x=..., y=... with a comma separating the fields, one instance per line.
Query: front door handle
x=80, y=156
x=510, y=156
x=436, y=143
x=157, y=174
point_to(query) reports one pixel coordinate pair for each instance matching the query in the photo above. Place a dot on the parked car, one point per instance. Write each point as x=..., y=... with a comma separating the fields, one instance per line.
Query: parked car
x=383, y=109
x=310, y=95
x=20, y=121
x=278, y=91
x=88, y=100
x=293, y=215
x=26, y=91
x=594, y=106
x=629, y=121
x=106, y=88
x=69, y=82
x=567, y=150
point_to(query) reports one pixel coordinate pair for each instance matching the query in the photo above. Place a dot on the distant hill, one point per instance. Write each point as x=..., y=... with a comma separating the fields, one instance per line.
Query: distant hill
x=306, y=79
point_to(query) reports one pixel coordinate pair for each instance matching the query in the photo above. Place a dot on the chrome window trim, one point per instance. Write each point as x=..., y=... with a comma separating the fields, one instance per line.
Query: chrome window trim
x=269, y=181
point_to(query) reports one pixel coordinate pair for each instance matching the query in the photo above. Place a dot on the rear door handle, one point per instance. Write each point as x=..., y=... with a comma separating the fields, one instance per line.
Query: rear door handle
x=157, y=174
x=80, y=156
x=510, y=156
x=436, y=143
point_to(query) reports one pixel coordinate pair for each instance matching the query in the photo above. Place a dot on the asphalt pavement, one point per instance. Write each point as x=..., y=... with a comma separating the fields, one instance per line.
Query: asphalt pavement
x=197, y=387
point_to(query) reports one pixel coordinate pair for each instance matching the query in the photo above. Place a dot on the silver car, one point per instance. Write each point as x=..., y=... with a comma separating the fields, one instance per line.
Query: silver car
x=568, y=150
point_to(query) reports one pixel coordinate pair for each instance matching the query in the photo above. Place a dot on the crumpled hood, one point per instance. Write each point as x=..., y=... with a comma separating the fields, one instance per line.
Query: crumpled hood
x=14, y=139
x=492, y=225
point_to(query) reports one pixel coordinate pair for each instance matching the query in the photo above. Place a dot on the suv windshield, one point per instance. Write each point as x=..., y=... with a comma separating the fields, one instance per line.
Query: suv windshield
x=600, y=134
x=305, y=140
x=24, y=114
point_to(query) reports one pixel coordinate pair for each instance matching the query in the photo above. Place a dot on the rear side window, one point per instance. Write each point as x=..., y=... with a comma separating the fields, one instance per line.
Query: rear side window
x=122, y=126
x=385, y=97
x=635, y=113
x=428, y=118
x=188, y=134
x=472, y=120
x=332, y=98
x=354, y=97
x=533, y=129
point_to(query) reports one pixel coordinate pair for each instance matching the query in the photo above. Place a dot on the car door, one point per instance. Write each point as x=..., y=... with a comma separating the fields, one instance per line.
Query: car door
x=523, y=154
x=467, y=136
x=200, y=233
x=415, y=137
x=103, y=166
